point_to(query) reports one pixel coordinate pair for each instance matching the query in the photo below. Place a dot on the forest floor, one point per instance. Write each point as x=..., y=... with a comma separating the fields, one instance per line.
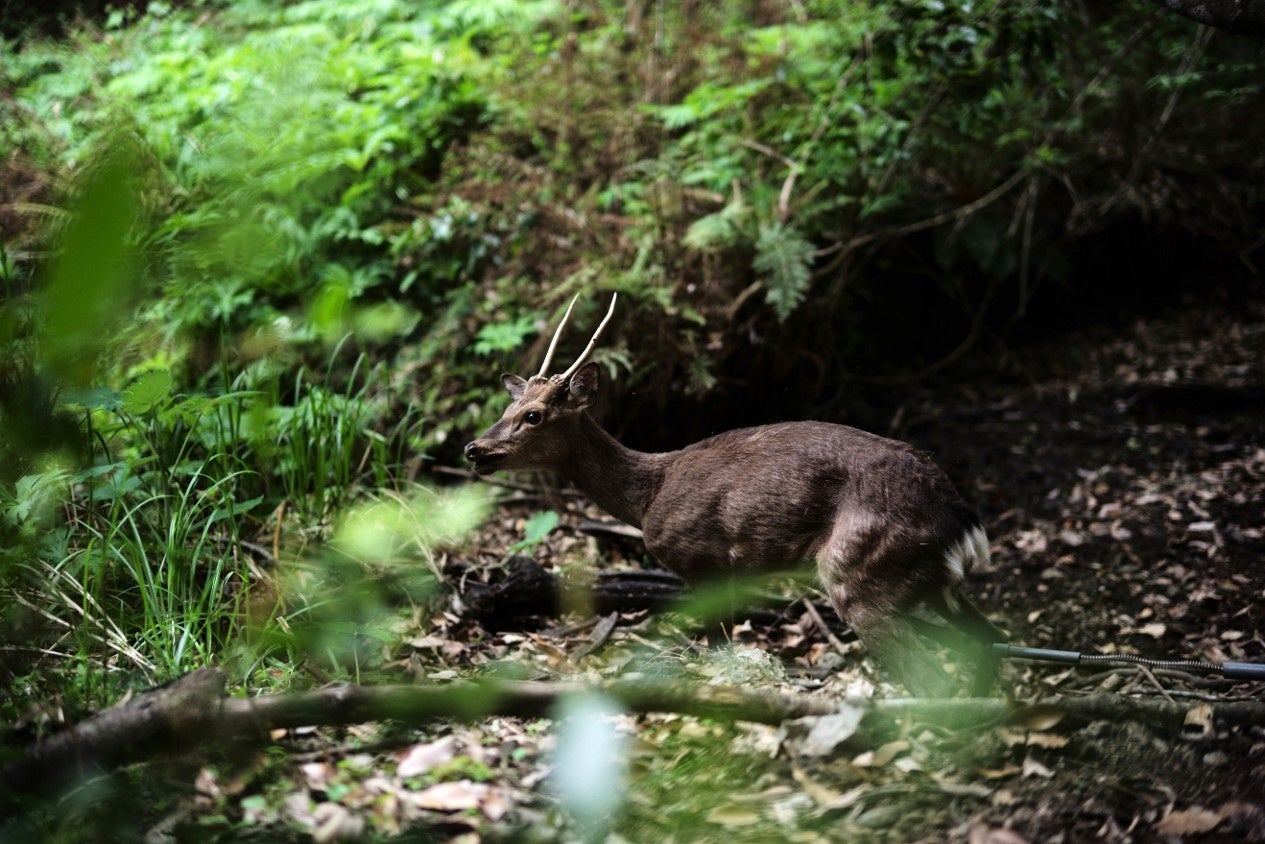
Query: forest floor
x=1121, y=473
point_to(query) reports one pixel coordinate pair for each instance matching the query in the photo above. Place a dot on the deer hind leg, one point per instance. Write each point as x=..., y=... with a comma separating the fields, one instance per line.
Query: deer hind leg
x=957, y=609
x=895, y=648
x=867, y=589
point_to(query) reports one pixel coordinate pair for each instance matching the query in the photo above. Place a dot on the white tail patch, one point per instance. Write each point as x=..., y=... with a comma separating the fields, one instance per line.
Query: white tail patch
x=967, y=552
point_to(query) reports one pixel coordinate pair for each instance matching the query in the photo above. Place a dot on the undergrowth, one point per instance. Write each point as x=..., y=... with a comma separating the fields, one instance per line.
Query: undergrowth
x=263, y=262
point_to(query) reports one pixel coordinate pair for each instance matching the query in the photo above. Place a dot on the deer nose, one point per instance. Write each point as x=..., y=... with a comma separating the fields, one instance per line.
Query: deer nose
x=472, y=451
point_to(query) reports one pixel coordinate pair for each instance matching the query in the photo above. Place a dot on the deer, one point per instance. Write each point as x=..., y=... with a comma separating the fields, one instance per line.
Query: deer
x=884, y=526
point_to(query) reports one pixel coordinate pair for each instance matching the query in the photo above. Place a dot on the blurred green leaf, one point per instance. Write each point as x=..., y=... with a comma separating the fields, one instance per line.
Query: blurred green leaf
x=590, y=768
x=537, y=528
x=90, y=284
x=393, y=527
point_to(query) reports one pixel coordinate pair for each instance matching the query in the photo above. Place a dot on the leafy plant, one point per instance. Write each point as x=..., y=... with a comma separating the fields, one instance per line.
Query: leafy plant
x=536, y=529
x=784, y=258
x=503, y=336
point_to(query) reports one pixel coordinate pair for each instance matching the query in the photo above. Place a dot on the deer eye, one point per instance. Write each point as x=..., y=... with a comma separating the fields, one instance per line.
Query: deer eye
x=533, y=417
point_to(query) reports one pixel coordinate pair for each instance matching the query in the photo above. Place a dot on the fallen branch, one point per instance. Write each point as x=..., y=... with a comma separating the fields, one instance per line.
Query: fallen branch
x=195, y=712
x=527, y=591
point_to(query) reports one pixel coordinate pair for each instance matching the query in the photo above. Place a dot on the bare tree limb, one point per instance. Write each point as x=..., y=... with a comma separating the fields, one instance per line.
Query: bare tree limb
x=194, y=713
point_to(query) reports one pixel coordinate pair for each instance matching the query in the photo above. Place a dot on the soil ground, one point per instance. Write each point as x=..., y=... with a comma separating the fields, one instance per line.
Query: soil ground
x=1121, y=473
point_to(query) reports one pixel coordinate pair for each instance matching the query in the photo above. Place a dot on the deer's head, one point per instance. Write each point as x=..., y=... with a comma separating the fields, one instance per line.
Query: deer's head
x=538, y=428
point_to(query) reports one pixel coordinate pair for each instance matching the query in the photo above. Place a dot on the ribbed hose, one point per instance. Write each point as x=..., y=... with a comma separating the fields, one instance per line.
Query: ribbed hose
x=1194, y=665
x=1254, y=671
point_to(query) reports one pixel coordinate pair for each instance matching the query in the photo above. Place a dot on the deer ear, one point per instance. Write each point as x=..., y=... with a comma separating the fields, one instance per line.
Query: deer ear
x=514, y=385
x=584, y=383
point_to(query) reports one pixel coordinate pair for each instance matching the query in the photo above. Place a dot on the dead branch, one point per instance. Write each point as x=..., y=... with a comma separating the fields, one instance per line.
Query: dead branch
x=195, y=712
x=529, y=590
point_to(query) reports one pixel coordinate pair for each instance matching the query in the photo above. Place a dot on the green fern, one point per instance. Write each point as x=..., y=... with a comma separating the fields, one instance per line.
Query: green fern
x=710, y=232
x=783, y=257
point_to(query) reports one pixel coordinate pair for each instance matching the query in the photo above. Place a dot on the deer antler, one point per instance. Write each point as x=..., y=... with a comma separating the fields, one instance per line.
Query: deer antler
x=589, y=348
x=553, y=344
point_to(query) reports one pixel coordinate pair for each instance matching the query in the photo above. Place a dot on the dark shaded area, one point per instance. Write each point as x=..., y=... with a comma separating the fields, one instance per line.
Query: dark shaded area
x=809, y=370
x=53, y=18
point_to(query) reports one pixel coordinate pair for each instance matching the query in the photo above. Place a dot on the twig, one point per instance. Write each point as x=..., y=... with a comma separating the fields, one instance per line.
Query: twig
x=276, y=532
x=597, y=638
x=1146, y=672
x=515, y=485
x=835, y=641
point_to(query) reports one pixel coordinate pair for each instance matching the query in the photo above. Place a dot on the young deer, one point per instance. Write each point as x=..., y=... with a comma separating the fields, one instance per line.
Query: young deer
x=883, y=523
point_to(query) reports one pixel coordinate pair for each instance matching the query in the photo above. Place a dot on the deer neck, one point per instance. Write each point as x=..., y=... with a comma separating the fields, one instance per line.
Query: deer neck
x=618, y=479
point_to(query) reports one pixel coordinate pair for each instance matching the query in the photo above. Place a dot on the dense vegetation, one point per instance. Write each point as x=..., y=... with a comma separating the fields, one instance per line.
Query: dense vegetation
x=263, y=262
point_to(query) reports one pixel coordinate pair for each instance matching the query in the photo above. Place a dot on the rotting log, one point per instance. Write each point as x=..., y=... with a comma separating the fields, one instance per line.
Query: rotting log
x=528, y=590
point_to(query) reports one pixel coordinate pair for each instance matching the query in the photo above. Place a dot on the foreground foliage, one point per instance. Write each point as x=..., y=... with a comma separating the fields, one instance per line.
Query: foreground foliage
x=263, y=262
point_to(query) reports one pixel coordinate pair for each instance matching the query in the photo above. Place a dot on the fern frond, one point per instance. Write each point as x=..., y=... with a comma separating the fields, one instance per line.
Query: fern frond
x=783, y=257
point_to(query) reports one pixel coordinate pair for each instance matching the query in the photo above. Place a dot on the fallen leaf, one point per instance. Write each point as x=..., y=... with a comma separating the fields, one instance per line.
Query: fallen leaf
x=421, y=758
x=335, y=823
x=1199, y=720
x=1046, y=740
x=847, y=799
x=905, y=764
x=1189, y=822
x=998, y=773
x=1232, y=635
x=981, y=834
x=830, y=731
x=733, y=816
x=318, y=775
x=1072, y=538
x=961, y=789
x=822, y=795
x=1038, y=717
x=458, y=796
x=423, y=643
x=885, y=754
x=1033, y=768
x=1155, y=630
x=495, y=805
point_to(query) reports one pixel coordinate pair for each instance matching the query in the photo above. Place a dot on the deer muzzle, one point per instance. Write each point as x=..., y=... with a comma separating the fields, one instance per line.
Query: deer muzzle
x=485, y=459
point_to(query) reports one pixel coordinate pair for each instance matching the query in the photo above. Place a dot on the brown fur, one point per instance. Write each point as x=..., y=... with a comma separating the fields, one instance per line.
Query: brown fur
x=877, y=516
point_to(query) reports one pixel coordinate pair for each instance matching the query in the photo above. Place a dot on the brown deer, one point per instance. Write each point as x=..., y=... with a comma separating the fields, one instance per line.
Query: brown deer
x=884, y=525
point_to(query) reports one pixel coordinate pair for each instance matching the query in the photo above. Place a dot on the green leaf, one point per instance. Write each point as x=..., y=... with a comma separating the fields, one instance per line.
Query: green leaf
x=93, y=398
x=90, y=283
x=503, y=336
x=147, y=391
x=537, y=528
x=234, y=510
x=713, y=231
x=36, y=496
